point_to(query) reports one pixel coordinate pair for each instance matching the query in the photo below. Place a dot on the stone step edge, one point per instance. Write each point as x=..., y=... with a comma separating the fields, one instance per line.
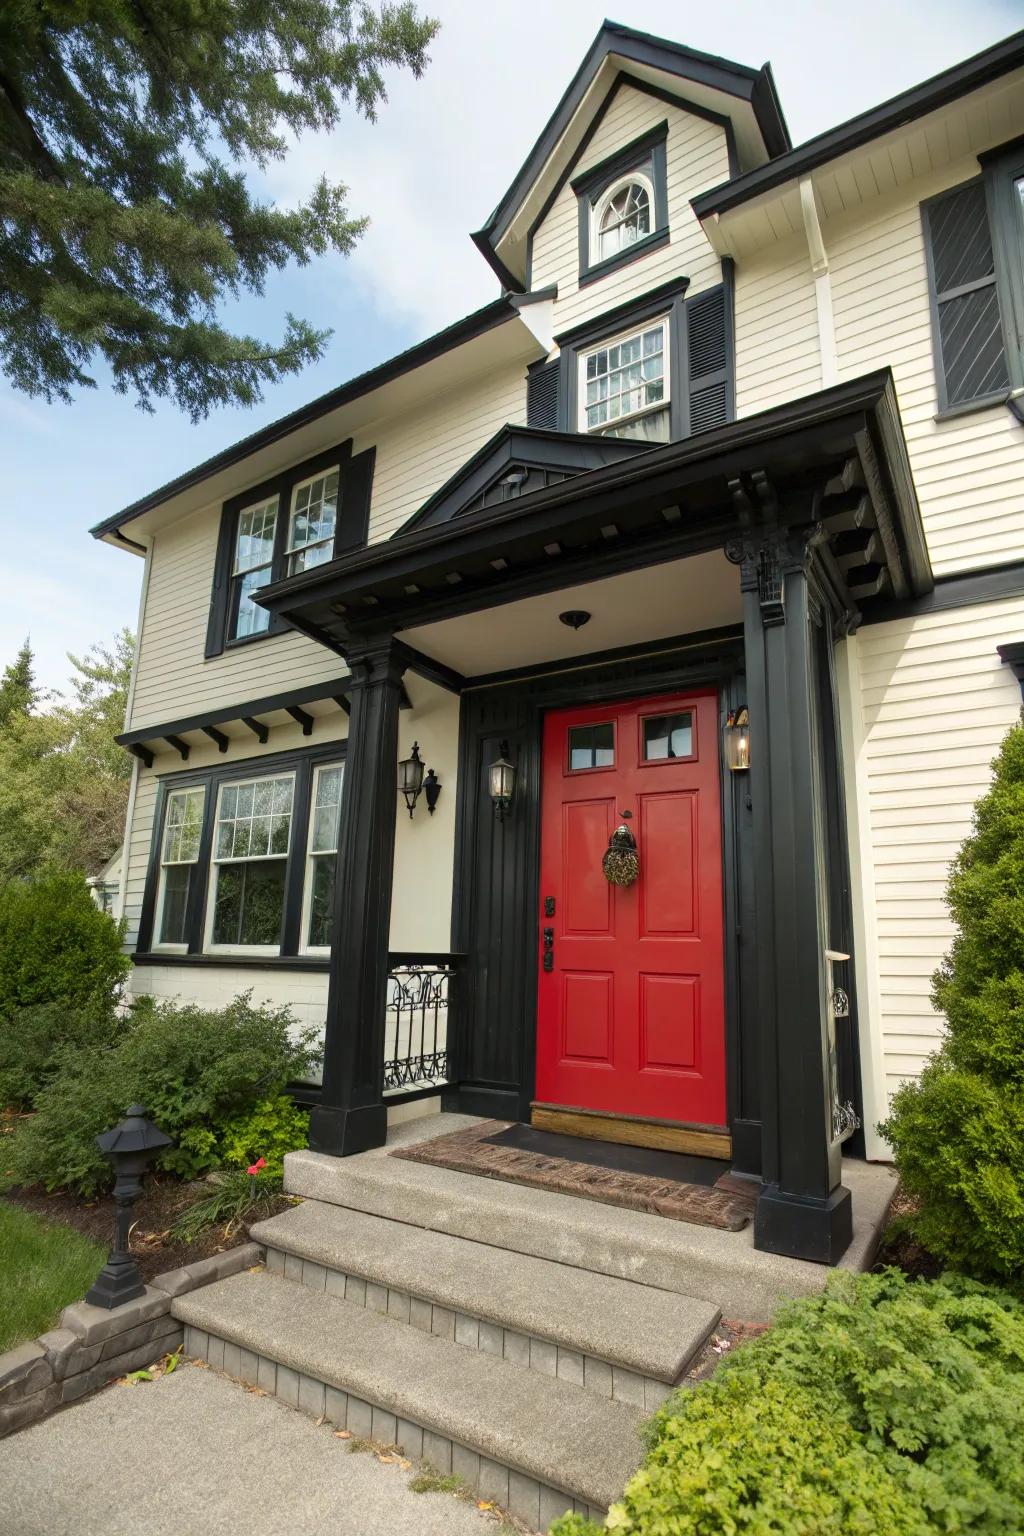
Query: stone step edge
x=598, y=1374
x=536, y=1503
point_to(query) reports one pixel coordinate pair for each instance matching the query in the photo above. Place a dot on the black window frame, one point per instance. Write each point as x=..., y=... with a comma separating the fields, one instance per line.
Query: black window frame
x=302, y=762
x=355, y=480
x=647, y=155
x=670, y=300
x=998, y=283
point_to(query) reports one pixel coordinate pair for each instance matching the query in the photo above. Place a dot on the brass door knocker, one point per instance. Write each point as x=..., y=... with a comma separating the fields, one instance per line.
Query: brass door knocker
x=621, y=862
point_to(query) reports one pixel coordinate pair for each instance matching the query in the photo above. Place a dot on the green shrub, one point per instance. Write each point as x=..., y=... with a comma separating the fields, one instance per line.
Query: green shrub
x=238, y=1196
x=268, y=1130
x=56, y=945
x=34, y=1041
x=958, y=1133
x=886, y=1407
x=197, y=1071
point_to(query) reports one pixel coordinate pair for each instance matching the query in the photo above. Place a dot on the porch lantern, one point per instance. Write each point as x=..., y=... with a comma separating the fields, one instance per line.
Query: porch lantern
x=410, y=777
x=737, y=740
x=502, y=782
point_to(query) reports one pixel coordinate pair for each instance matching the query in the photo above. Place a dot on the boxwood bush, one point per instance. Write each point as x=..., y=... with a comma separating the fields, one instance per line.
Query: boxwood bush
x=56, y=946
x=213, y=1079
x=958, y=1132
x=886, y=1407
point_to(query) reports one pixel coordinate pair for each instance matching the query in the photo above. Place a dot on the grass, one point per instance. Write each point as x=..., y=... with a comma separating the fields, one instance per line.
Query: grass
x=429, y=1481
x=43, y=1268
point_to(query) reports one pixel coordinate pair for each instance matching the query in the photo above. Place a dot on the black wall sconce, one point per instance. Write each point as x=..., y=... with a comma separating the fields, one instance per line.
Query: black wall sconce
x=737, y=740
x=413, y=780
x=501, y=779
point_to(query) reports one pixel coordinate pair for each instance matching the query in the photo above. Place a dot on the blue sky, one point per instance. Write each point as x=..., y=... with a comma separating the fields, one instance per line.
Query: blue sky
x=441, y=153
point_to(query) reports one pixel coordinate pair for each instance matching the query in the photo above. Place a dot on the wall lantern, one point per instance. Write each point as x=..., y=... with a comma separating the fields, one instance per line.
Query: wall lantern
x=411, y=781
x=502, y=782
x=737, y=740
x=130, y=1147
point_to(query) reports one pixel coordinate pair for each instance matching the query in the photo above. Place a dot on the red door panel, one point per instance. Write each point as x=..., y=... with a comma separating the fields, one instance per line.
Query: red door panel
x=631, y=1014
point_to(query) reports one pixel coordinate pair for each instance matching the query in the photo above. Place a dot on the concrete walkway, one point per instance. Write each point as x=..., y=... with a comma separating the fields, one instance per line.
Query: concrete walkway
x=194, y=1454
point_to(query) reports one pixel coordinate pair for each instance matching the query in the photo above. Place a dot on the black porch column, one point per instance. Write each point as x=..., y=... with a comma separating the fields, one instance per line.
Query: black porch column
x=351, y=1115
x=803, y=1209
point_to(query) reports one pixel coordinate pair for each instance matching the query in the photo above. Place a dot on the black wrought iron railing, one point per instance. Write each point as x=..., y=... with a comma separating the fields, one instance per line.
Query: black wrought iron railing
x=419, y=1026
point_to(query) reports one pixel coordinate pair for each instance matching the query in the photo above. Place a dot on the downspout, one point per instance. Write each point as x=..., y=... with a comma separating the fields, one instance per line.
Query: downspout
x=822, y=284
x=122, y=889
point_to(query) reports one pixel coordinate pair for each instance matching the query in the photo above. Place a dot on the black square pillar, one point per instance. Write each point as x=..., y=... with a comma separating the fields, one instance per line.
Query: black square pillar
x=351, y=1115
x=803, y=1209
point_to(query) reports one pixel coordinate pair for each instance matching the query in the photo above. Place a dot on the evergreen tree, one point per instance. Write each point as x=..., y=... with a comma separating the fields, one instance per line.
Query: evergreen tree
x=18, y=690
x=958, y=1133
x=125, y=215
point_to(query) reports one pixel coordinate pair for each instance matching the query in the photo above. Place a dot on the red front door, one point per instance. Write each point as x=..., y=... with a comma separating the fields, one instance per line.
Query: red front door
x=631, y=997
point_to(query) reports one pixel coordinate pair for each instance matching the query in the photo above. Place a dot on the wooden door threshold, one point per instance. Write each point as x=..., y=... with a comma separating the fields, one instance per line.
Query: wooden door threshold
x=666, y=1135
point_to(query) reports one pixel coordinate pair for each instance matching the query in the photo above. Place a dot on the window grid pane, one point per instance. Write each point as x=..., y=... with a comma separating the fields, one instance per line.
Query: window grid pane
x=591, y=746
x=251, y=618
x=626, y=378
x=254, y=820
x=326, y=810
x=183, y=825
x=314, y=516
x=668, y=736
x=177, y=880
x=254, y=545
x=625, y=220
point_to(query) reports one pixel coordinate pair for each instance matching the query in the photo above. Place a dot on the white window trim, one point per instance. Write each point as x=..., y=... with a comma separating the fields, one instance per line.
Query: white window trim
x=597, y=212
x=165, y=864
x=209, y=948
x=307, y=875
x=664, y=404
x=295, y=549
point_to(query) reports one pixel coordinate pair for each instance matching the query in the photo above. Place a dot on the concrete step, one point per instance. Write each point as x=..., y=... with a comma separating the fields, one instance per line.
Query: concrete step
x=618, y=1338
x=535, y=1444
x=721, y=1268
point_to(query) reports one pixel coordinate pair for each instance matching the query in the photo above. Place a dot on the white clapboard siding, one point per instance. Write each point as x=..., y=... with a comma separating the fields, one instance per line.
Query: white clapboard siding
x=935, y=703
x=696, y=158
x=777, y=356
x=418, y=452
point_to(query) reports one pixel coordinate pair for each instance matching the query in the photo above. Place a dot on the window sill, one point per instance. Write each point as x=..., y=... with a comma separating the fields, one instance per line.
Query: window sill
x=258, y=962
x=972, y=407
x=592, y=274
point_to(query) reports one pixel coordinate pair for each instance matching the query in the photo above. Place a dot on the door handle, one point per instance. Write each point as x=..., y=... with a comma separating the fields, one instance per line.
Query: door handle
x=548, y=961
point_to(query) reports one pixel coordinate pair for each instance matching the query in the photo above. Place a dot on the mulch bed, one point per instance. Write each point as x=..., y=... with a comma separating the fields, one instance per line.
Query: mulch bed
x=157, y=1208
x=722, y=1205
x=899, y=1248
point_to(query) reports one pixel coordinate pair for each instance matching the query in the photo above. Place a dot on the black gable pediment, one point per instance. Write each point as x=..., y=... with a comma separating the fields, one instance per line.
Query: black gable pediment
x=516, y=462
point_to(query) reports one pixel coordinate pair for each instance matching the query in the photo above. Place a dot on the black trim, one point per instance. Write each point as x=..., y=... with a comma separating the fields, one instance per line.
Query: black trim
x=301, y=762
x=941, y=89
x=1002, y=168
x=270, y=703
x=317, y=963
x=352, y=515
x=960, y=591
x=645, y=306
x=756, y=87
x=667, y=299
x=1012, y=654
x=642, y=650
x=498, y=312
x=434, y=671
x=645, y=155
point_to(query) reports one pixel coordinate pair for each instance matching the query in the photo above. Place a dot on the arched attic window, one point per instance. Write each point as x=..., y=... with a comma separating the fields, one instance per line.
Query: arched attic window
x=622, y=216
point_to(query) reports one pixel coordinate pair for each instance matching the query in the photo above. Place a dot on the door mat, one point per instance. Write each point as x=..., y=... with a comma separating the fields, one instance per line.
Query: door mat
x=680, y=1167
x=475, y=1150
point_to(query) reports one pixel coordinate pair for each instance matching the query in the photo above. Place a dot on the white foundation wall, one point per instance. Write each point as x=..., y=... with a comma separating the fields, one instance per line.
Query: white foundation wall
x=925, y=705
x=696, y=158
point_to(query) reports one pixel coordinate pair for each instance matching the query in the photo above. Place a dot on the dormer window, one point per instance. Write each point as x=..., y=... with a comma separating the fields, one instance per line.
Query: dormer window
x=623, y=206
x=623, y=216
x=624, y=386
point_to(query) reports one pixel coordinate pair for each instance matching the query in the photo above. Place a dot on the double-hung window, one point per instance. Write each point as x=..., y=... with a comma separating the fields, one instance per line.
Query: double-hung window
x=251, y=840
x=311, y=527
x=322, y=857
x=253, y=564
x=179, y=857
x=624, y=385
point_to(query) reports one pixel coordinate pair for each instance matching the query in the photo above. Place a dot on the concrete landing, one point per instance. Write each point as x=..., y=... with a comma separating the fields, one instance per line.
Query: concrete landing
x=720, y=1268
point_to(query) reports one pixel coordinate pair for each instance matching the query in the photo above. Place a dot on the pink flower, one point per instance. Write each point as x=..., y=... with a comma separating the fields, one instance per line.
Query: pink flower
x=260, y=1163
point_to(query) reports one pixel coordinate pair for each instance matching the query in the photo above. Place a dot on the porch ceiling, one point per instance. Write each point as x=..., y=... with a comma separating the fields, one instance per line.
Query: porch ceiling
x=837, y=457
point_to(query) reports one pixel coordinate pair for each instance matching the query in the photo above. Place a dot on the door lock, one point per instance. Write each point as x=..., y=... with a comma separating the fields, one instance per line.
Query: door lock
x=549, y=906
x=548, y=961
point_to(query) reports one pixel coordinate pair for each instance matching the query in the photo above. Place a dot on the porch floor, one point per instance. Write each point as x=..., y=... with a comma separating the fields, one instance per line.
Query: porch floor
x=706, y=1264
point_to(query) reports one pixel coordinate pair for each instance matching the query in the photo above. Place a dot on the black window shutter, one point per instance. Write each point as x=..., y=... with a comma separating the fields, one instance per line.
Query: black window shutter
x=970, y=353
x=354, y=512
x=542, y=395
x=708, y=361
x=216, y=628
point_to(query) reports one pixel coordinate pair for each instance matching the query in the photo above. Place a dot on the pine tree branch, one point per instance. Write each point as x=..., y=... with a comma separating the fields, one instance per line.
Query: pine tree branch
x=16, y=113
